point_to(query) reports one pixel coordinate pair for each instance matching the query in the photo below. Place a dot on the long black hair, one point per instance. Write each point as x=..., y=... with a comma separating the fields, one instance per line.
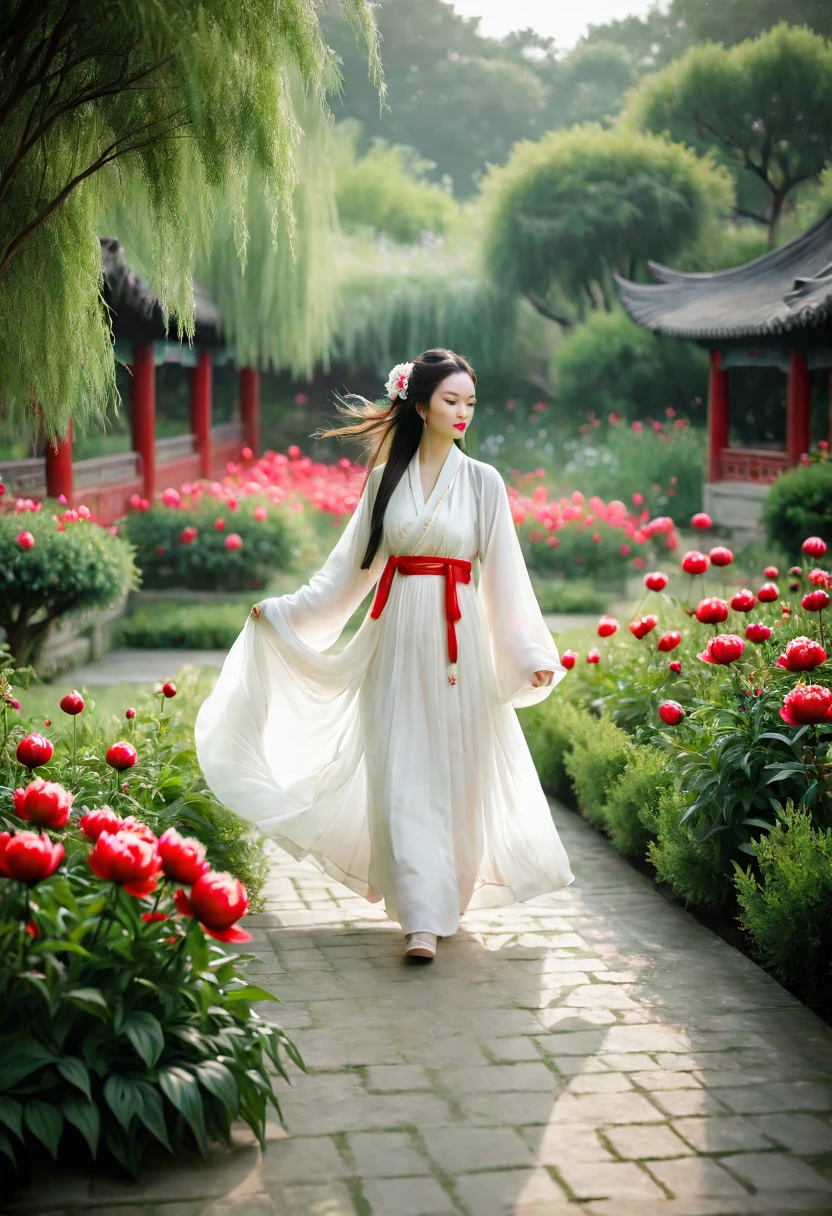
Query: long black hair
x=394, y=429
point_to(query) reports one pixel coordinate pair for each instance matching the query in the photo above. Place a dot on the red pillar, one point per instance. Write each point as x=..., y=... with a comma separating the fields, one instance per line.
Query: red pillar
x=143, y=413
x=59, y=467
x=798, y=407
x=201, y=385
x=250, y=408
x=718, y=402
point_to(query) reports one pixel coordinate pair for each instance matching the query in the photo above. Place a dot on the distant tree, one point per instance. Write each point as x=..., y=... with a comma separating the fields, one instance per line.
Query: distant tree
x=764, y=106
x=590, y=84
x=161, y=104
x=566, y=212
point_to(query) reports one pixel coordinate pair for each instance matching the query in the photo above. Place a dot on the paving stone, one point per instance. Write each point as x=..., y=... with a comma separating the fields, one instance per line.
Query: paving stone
x=769, y=1172
x=460, y=1150
x=680, y=1102
x=507, y=1110
x=385, y=1155
x=605, y=1108
x=496, y=1077
x=638, y=1143
x=324, y=1199
x=626, y=1062
x=605, y=996
x=507, y=1192
x=695, y=1177
x=512, y=1050
x=396, y=1077
x=407, y=1197
x=663, y=1078
x=787, y=1095
x=720, y=1134
x=571, y=1066
x=599, y=1083
x=301, y=1159
x=804, y=1134
x=369, y=1112
x=439, y=1051
x=565, y=1142
x=609, y=1180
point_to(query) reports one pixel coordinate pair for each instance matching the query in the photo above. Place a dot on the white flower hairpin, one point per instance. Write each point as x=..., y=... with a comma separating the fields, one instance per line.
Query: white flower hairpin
x=398, y=381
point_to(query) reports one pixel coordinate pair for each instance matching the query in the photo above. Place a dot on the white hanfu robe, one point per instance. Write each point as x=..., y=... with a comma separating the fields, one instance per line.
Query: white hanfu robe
x=403, y=786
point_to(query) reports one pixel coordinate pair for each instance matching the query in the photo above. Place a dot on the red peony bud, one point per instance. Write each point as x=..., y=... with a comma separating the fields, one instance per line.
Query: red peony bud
x=183, y=858
x=121, y=755
x=25, y=540
x=814, y=546
x=233, y=541
x=43, y=803
x=725, y=648
x=655, y=580
x=188, y=535
x=803, y=654
x=675, y=667
x=568, y=659
x=771, y=572
x=130, y=713
x=743, y=601
x=27, y=857
x=711, y=611
x=103, y=819
x=169, y=689
x=757, y=633
x=768, y=593
x=607, y=626
x=720, y=556
x=695, y=562
x=815, y=601
x=72, y=703
x=217, y=901
x=124, y=858
x=669, y=641
x=671, y=713
x=219, y=524
x=593, y=656
x=701, y=520
x=807, y=705
x=643, y=625
x=34, y=750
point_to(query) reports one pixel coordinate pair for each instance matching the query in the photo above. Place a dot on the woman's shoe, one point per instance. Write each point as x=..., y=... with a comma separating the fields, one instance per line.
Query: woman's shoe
x=420, y=947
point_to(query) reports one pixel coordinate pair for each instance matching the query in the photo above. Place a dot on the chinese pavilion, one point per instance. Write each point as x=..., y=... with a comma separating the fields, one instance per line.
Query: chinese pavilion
x=774, y=312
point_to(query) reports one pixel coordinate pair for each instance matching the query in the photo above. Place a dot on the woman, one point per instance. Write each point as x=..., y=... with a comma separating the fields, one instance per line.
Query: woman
x=398, y=765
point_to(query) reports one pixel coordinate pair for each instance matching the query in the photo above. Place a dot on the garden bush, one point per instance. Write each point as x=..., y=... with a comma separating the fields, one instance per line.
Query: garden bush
x=692, y=867
x=595, y=760
x=786, y=905
x=52, y=566
x=550, y=729
x=569, y=597
x=244, y=553
x=632, y=802
x=799, y=504
x=184, y=625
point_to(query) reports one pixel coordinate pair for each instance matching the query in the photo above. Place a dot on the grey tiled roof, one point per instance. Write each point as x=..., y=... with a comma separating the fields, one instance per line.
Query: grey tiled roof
x=135, y=307
x=787, y=289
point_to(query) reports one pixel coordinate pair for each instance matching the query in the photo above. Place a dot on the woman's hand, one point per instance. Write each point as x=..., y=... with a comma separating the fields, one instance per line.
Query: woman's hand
x=255, y=612
x=539, y=678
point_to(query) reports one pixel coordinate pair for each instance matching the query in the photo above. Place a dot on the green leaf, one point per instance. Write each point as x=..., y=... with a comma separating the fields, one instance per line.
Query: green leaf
x=124, y=1099
x=91, y=999
x=21, y=1055
x=75, y=1071
x=45, y=1123
x=153, y=1113
x=250, y=993
x=219, y=1081
x=11, y=1113
x=6, y=1147
x=747, y=848
x=86, y=1117
x=145, y=1033
x=182, y=1091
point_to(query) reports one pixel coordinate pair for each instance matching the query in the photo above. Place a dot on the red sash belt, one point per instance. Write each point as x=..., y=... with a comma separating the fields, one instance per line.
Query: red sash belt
x=455, y=570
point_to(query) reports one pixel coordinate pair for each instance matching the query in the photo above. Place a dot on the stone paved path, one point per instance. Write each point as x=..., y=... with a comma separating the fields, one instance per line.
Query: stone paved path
x=597, y=1051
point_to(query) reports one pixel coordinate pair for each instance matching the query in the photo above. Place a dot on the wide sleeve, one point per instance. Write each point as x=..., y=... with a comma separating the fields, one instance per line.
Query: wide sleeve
x=521, y=643
x=318, y=612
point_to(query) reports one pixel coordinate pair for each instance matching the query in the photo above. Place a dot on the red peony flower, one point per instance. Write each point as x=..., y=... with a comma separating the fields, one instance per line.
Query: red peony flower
x=103, y=819
x=130, y=713
x=807, y=705
x=768, y=593
x=757, y=633
x=814, y=546
x=701, y=520
x=675, y=667
x=711, y=611
x=568, y=659
x=771, y=572
x=818, y=577
x=669, y=641
x=720, y=556
x=607, y=626
x=643, y=625
x=34, y=750
x=169, y=689
x=233, y=541
x=593, y=656
x=28, y=857
x=743, y=601
x=188, y=535
x=815, y=601
x=25, y=540
x=655, y=580
x=44, y=803
x=217, y=901
x=153, y=918
x=725, y=648
x=219, y=524
x=695, y=562
x=796, y=571
x=671, y=713
x=121, y=755
x=72, y=703
x=124, y=858
x=132, y=824
x=183, y=858
x=802, y=654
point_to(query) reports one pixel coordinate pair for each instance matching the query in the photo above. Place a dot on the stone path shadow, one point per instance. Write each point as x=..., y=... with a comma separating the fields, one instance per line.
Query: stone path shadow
x=596, y=1051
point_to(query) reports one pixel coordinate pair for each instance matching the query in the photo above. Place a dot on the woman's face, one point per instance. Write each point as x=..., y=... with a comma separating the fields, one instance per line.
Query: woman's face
x=451, y=406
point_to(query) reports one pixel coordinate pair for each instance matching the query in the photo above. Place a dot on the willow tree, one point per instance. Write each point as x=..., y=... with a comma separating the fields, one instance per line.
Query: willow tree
x=566, y=212
x=159, y=105
x=763, y=106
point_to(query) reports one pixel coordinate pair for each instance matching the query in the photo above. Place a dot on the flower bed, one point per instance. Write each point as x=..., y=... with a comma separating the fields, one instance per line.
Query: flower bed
x=124, y=1019
x=698, y=737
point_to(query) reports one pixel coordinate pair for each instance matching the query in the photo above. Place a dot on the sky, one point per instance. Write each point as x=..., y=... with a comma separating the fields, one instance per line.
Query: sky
x=564, y=20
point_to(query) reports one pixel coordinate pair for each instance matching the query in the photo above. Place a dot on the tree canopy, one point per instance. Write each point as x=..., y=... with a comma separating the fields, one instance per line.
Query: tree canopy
x=763, y=106
x=161, y=106
x=567, y=211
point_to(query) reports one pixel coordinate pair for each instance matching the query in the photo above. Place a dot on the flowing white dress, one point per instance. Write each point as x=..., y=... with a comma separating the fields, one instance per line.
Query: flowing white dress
x=399, y=784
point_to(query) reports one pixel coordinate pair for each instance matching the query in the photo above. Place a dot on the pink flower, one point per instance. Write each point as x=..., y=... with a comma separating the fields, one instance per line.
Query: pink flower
x=171, y=497
x=807, y=705
x=757, y=633
x=607, y=626
x=568, y=659
x=814, y=546
x=655, y=581
x=72, y=703
x=103, y=819
x=188, y=535
x=593, y=656
x=217, y=901
x=34, y=750
x=695, y=562
x=724, y=649
x=803, y=654
x=25, y=540
x=27, y=857
x=669, y=641
x=815, y=601
x=643, y=625
x=233, y=541
x=771, y=572
x=183, y=858
x=768, y=593
x=701, y=520
x=720, y=556
x=125, y=858
x=743, y=601
x=711, y=611
x=121, y=755
x=46, y=804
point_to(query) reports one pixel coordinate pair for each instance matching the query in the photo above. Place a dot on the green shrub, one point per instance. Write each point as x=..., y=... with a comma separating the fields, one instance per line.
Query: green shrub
x=799, y=504
x=184, y=625
x=72, y=571
x=694, y=870
x=595, y=760
x=632, y=801
x=787, y=909
x=550, y=729
x=206, y=564
x=569, y=597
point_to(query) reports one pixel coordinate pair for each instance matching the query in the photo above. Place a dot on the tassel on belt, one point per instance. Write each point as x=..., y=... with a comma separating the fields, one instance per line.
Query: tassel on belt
x=454, y=569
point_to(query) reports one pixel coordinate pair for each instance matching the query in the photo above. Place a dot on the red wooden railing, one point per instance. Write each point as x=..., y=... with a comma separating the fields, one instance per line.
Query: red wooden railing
x=760, y=465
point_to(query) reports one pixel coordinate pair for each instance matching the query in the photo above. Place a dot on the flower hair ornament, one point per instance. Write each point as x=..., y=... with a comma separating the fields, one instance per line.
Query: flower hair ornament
x=398, y=381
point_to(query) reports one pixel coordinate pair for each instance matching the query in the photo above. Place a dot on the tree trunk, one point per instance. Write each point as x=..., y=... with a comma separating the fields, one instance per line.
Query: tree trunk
x=777, y=201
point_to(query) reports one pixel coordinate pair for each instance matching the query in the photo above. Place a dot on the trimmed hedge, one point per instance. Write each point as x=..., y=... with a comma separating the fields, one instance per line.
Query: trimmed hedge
x=799, y=504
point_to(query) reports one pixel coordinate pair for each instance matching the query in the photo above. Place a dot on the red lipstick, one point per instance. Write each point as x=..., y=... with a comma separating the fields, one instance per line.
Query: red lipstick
x=459, y=426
